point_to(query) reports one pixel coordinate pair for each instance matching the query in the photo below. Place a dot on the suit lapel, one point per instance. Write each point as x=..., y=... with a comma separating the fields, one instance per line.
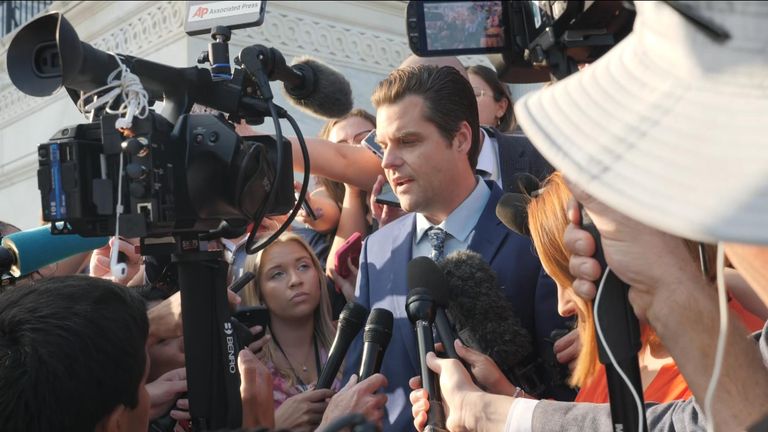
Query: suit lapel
x=489, y=232
x=402, y=252
x=512, y=159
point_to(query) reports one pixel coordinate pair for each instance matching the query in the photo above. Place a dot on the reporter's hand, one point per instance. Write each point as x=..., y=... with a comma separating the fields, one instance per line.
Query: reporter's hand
x=346, y=285
x=456, y=387
x=304, y=411
x=256, y=346
x=567, y=349
x=255, y=392
x=164, y=391
x=484, y=369
x=165, y=321
x=359, y=397
x=100, y=265
x=641, y=256
x=382, y=212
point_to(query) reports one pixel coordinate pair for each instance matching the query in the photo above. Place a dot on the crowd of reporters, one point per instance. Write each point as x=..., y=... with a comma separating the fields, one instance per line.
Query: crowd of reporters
x=81, y=350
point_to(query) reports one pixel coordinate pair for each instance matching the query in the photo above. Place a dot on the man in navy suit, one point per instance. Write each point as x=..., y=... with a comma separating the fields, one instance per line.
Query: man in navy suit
x=427, y=125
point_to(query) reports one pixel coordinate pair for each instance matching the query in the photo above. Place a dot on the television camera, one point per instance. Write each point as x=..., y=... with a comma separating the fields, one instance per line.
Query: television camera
x=174, y=177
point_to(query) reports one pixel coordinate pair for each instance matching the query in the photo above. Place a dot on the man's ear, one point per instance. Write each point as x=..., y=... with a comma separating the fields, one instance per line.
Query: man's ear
x=112, y=422
x=463, y=139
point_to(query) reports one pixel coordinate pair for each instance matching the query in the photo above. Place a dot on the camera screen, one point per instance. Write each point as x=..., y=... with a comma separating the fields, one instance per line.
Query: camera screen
x=464, y=25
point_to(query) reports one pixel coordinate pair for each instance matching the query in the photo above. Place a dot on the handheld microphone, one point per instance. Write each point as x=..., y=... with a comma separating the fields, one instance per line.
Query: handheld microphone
x=376, y=337
x=431, y=276
x=420, y=308
x=26, y=251
x=622, y=337
x=351, y=320
x=485, y=319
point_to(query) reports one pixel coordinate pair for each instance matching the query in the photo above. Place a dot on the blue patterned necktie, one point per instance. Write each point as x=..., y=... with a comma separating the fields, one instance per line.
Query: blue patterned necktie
x=437, y=241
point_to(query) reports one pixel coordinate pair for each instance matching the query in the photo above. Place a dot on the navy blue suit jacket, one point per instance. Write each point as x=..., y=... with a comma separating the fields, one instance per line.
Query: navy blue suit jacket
x=382, y=284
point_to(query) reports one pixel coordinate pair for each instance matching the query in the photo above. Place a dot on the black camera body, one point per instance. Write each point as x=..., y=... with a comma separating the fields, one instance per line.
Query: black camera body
x=527, y=41
x=175, y=179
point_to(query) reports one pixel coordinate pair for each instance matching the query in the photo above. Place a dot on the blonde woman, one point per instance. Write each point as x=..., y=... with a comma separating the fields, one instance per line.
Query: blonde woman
x=290, y=283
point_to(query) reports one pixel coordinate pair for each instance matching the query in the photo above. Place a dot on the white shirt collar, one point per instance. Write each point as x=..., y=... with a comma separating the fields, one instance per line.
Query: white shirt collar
x=488, y=159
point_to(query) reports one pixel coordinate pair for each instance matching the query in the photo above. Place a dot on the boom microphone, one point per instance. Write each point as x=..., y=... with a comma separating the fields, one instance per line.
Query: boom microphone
x=377, y=334
x=484, y=318
x=26, y=251
x=351, y=320
x=322, y=90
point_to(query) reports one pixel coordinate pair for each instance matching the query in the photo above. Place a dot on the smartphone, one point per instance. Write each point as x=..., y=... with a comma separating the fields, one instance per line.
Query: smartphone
x=241, y=282
x=387, y=195
x=306, y=207
x=349, y=251
x=441, y=28
x=251, y=316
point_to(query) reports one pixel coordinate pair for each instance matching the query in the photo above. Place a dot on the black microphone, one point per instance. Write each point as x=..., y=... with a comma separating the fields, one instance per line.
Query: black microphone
x=431, y=277
x=420, y=308
x=351, y=320
x=309, y=84
x=485, y=321
x=621, y=331
x=376, y=337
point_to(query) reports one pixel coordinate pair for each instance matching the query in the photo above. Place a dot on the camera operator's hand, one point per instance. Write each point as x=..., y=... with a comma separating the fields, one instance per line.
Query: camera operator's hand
x=255, y=392
x=381, y=212
x=164, y=391
x=101, y=261
x=359, y=397
x=303, y=412
x=641, y=256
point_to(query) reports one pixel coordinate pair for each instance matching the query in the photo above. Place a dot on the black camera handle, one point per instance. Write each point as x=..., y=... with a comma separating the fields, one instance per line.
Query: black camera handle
x=621, y=330
x=210, y=345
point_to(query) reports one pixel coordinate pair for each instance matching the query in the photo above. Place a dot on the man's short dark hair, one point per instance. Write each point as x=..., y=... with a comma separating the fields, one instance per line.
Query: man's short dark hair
x=448, y=99
x=72, y=349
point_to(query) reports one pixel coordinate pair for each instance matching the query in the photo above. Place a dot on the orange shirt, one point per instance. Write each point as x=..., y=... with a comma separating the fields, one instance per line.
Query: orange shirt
x=668, y=385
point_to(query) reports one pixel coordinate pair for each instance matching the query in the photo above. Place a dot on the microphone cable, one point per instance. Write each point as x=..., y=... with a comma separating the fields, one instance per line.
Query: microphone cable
x=722, y=300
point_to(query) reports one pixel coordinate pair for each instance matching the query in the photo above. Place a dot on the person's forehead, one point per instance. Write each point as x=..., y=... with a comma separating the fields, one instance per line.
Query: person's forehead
x=393, y=119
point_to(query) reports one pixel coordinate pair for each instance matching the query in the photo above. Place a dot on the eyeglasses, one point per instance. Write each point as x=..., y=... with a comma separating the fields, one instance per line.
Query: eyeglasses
x=479, y=92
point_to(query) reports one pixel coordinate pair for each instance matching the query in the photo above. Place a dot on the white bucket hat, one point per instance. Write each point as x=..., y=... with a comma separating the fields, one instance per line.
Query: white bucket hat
x=670, y=126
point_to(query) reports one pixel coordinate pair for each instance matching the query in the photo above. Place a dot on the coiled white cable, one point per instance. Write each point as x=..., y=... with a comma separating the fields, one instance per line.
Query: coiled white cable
x=122, y=82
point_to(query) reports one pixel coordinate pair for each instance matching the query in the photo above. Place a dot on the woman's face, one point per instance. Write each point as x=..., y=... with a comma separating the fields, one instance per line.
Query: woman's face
x=350, y=131
x=290, y=283
x=488, y=109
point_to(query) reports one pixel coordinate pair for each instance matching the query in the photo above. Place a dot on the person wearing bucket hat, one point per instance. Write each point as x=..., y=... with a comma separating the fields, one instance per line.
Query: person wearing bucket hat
x=663, y=137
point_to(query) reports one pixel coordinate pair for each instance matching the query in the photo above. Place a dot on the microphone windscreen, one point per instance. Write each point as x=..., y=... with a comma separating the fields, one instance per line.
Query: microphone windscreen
x=36, y=248
x=330, y=95
x=378, y=329
x=512, y=210
x=482, y=315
